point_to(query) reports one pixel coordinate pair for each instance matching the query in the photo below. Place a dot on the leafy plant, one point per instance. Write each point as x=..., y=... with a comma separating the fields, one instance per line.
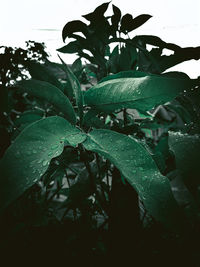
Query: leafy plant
x=81, y=151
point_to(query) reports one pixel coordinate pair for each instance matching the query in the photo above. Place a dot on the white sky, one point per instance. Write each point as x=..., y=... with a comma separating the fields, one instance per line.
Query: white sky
x=176, y=21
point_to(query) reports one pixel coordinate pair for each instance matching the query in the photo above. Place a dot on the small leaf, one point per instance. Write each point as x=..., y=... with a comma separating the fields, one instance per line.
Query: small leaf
x=27, y=159
x=129, y=24
x=76, y=88
x=115, y=19
x=90, y=119
x=72, y=27
x=50, y=93
x=28, y=116
x=70, y=48
x=98, y=12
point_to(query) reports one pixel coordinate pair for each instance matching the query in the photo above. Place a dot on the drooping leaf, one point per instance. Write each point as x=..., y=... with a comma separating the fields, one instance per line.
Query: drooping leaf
x=137, y=166
x=129, y=24
x=51, y=94
x=72, y=27
x=142, y=93
x=155, y=41
x=43, y=73
x=27, y=159
x=76, y=88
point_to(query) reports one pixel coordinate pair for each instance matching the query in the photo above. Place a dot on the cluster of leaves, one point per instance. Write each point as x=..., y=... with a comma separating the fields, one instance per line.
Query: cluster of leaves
x=73, y=154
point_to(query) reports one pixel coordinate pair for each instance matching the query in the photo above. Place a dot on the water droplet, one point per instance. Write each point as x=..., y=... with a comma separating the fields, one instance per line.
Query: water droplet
x=50, y=154
x=39, y=161
x=45, y=163
x=34, y=151
x=54, y=147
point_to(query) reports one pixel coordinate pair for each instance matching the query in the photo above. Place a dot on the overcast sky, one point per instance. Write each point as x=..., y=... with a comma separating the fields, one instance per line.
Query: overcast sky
x=176, y=21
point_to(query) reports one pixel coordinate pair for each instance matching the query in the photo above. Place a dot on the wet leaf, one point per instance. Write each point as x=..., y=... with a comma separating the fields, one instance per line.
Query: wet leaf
x=27, y=159
x=51, y=94
x=142, y=93
x=137, y=166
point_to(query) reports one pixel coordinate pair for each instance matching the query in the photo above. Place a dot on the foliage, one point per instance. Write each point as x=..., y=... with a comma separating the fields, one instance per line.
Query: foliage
x=83, y=155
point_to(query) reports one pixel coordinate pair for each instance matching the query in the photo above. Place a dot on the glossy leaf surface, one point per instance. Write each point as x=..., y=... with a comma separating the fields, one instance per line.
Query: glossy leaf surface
x=27, y=159
x=51, y=94
x=142, y=93
x=137, y=166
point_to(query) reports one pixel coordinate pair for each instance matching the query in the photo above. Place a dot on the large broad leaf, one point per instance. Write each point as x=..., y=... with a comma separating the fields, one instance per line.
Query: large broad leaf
x=187, y=153
x=76, y=88
x=43, y=73
x=137, y=166
x=51, y=94
x=27, y=159
x=142, y=93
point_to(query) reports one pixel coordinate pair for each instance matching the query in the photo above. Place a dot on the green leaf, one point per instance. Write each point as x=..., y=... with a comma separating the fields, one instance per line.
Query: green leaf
x=98, y=12
x=187, y=153
x=142, y=93
x=73, y=26
x=137, y=166
x=43, y=73
x=70, y=48
x=129, y=24
x=126, y=74
x=115, y=19
x=29, y=117
x=27, y=159
x=76, y=88
x=155, y=41
x=90, y=119
x=50, y=93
